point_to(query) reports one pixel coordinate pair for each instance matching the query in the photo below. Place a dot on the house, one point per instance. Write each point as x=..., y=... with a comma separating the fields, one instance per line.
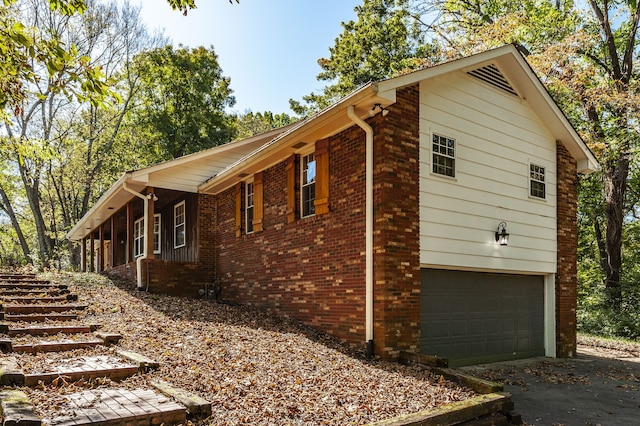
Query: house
x=432, y=212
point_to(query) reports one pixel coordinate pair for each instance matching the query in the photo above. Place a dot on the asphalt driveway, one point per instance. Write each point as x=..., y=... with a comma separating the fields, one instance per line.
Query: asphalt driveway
x=598, y=387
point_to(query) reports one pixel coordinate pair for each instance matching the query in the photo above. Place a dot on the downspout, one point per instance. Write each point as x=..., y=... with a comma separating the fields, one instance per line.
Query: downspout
x=368, y=226
x=144, y=249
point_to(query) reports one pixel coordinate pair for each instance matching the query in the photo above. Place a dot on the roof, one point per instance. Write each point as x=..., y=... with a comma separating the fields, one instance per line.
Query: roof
x=219, y=168
x=181, y=174
x=514, y=72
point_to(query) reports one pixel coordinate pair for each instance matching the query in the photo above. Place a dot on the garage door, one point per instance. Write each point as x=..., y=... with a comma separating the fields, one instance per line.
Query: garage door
x=472, y=317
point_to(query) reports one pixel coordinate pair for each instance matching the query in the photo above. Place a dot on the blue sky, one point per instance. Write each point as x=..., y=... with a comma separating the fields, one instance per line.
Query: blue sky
x=269, y=48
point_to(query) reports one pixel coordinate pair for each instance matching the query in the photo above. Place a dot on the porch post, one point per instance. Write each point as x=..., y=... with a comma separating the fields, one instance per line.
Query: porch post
x=83, y=255
x=129, y=248
x=92, y=244
x=112, y=248
x=101, y=249
x=148, y=222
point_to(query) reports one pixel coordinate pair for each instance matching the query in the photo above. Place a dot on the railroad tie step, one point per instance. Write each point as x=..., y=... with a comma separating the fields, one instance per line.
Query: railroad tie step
x=33, y=292
x=56, y=346
x=17, y=409
x=41, y=308
x=144, y=363
x=47, y=330
x=38, y=298
x=31, y=285
x=117, y=407
x=196, y=405
x=86, y=368
x=38, y=318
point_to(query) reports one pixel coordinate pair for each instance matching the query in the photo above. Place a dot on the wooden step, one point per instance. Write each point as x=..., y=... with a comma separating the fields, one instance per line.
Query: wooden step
x=84, y=368
x=41, y=308
x=51, y=330
x=38, y=318
x=54, y=346
x=32, y=281
x=118, y=407
x=35, y=285
x=38, y=299
x=33, y=292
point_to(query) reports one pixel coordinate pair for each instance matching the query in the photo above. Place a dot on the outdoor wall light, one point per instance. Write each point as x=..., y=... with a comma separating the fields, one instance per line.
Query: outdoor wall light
x=374, y=110
x=501, y=234
x=152, y=196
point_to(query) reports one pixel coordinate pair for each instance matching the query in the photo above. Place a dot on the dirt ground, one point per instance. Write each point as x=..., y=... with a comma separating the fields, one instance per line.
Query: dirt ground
x=601, y=386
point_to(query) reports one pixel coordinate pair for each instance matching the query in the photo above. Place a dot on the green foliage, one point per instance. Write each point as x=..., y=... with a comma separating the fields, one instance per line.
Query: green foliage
x=250, y=124
x=183, y=96
x=381, y=43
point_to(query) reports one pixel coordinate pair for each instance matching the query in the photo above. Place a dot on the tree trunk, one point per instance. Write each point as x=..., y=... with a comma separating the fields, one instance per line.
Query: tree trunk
x=615, y=188
x=6, y=206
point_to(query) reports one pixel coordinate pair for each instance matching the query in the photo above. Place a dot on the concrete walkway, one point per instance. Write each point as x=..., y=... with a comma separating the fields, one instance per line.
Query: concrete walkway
x=598, y=387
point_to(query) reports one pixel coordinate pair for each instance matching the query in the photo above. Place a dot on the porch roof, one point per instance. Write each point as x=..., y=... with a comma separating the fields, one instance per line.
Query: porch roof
x=181, y=174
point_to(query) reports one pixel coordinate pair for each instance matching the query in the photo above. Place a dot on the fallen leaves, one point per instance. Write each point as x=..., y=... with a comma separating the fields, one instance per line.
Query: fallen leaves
x=255, y=368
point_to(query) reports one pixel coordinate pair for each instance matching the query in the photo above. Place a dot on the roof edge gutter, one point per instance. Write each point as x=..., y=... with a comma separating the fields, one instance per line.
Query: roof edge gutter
x=368, y=227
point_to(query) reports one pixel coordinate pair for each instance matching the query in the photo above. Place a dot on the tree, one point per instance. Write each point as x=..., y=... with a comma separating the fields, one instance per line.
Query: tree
x=52, y=96
x=382, y=42
x=182, y=102
x=587, y=59
x=250, y=124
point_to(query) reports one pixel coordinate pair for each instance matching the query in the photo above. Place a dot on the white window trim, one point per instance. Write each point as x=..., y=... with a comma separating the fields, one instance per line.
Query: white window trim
x=247, y=222
x=302, y=185
x=433, y=154
x=158, y=234
x=176, y=224
x=531, y=180
x=138, y=237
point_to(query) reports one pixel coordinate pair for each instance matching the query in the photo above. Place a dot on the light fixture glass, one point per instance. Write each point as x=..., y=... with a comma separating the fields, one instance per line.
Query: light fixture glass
x=501, y=234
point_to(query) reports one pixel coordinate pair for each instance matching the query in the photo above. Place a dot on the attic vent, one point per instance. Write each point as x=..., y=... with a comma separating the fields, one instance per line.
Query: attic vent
x=492, y=75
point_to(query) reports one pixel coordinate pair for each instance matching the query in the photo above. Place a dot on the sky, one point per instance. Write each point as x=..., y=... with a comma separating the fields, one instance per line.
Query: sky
x=269, y=48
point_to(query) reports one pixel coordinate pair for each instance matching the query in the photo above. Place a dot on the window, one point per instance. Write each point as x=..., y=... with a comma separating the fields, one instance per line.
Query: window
x=537, y=186
x=444, y=155
x=138, y=237
x=249, y=207
x=308, y=185
x=179, y=227
x=156, y=233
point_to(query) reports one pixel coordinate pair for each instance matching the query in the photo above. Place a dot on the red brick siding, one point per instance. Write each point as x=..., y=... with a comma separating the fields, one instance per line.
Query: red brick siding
x=313, y=269
x=566, y=277
x=175, y=278
x=397, y=226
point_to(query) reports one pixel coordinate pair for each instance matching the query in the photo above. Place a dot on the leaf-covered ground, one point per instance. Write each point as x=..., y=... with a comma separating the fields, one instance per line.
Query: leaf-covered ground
x=254, y=367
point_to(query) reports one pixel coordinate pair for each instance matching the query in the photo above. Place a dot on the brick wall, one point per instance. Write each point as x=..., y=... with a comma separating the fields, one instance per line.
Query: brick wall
x=175, y=278
x=313, y=269
x=397, y=226
x=566, y=277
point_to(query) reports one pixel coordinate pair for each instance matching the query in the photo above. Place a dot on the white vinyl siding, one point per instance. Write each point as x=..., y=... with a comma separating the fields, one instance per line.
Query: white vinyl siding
x=496, y=137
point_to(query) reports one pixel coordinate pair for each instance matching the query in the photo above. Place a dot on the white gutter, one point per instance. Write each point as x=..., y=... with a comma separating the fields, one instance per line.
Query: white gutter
x=144, y=249
x=368, y=226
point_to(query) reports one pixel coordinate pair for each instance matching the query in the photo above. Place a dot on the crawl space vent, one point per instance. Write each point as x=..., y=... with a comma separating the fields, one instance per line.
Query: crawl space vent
x=491, y=74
